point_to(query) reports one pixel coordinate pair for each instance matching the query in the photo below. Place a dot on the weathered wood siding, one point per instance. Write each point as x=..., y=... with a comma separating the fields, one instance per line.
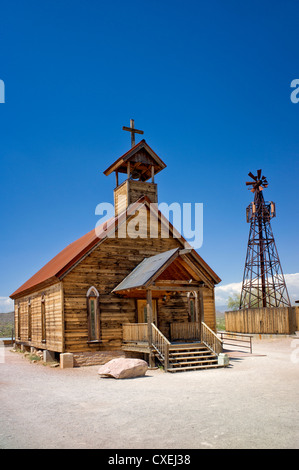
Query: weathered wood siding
x=53, y=318
x=104, y=268
x=174, y=309
x=121, y=198
x=273, y=320
x=209, y=308
x=130, y=191
x=136, y=189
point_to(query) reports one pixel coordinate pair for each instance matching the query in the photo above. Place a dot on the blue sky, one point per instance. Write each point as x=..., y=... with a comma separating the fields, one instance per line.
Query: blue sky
x=207, y=81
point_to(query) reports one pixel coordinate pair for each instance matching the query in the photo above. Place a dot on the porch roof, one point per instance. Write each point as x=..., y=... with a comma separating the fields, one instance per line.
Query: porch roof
x=142, y=274
x=168, y=265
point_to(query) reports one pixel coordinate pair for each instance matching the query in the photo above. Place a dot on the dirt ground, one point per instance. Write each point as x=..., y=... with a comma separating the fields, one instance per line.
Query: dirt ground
x=252, y=404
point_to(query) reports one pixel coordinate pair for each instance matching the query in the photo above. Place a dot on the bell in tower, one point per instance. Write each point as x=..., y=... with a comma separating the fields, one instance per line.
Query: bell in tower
x=140, y=165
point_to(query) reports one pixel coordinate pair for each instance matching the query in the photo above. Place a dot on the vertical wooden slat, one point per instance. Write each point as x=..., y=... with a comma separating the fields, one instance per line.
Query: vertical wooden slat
x=264, y=320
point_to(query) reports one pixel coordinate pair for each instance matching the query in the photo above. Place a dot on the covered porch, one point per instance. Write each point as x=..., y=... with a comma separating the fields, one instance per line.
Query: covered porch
x=172, y=275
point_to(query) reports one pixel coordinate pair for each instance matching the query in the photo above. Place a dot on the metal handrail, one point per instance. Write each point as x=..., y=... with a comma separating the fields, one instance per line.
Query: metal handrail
x=236, y=340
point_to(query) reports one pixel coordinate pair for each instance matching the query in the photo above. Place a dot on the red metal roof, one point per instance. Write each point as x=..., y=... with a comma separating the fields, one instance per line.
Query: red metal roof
x=64, y=260
x=69, y=256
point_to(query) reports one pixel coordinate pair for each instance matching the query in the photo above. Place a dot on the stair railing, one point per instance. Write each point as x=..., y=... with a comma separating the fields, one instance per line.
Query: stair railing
x=161, y=344
x=211, y=339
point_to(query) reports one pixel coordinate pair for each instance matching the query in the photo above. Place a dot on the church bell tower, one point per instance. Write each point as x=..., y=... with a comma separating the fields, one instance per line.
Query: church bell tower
x=140, y=165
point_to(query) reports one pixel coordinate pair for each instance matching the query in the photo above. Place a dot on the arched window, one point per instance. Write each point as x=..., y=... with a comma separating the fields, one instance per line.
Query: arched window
x=29, y=319
x=43, y=315
x=192, y=307
x=19, y=321
x=93, y=314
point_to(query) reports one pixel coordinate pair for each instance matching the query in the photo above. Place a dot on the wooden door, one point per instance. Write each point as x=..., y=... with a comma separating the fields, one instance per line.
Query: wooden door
x=142, y=311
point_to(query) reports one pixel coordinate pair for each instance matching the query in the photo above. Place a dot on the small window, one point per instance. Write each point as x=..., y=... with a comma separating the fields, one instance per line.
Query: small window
x=93, y=312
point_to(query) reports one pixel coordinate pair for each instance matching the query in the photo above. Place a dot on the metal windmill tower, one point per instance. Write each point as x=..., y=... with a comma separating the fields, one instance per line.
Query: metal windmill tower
x=263, y=280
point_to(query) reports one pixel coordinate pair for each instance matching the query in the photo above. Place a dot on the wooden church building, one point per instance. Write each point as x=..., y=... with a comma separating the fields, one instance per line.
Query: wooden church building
x=113, y=293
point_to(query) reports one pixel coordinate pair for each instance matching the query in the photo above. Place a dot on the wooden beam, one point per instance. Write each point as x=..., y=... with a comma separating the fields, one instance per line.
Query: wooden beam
x=185, y=251
x=129, y=170
x=174, y=288
x=149, y=306
x=191, y=265
x=130, y=129
x=177, y=282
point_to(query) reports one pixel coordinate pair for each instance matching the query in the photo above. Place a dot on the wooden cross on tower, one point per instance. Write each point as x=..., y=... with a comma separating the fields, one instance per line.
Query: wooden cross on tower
x=133, y=131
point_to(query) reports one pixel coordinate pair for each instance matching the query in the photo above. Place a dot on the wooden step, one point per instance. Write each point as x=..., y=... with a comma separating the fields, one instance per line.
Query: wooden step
x=176, y=347
x=189, y=357
x=197, y=367
x=194, y=363
x=187, y=350
x=191, y=354
x=195, y=358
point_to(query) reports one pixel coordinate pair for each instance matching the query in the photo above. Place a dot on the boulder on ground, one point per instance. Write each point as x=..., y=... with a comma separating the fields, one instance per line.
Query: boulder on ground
x=124, y=368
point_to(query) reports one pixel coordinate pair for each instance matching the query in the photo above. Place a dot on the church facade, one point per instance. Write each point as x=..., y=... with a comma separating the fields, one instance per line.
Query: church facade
x=111, y=294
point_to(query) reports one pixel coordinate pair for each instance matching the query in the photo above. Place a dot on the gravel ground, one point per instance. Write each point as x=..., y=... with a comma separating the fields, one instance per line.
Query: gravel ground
x=252, y=404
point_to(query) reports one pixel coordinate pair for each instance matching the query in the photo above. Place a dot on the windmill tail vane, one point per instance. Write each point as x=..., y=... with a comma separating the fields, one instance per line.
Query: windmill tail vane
x=263, y=280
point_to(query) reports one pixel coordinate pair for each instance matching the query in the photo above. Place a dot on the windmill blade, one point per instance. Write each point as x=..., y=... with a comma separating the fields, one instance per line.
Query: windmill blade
x=259, y=182
x=264, y=182
x=252, y=176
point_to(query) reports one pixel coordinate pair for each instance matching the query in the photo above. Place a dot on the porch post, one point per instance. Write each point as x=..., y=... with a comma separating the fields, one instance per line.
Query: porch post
x=149, y=306
x=200, y=307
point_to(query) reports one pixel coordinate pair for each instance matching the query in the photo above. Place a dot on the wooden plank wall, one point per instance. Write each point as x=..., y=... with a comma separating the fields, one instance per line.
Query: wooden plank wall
x=209, y=308
x=174, y=309
x=106, y=267
x=261, y=320
x=53, y=316
x=136, y=189
x=130, y=191
x=120, y=198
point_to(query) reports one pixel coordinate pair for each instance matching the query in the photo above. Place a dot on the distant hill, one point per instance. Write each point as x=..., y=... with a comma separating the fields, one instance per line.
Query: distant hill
x=219, y=313
x=220, y=320
x=6, y=324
